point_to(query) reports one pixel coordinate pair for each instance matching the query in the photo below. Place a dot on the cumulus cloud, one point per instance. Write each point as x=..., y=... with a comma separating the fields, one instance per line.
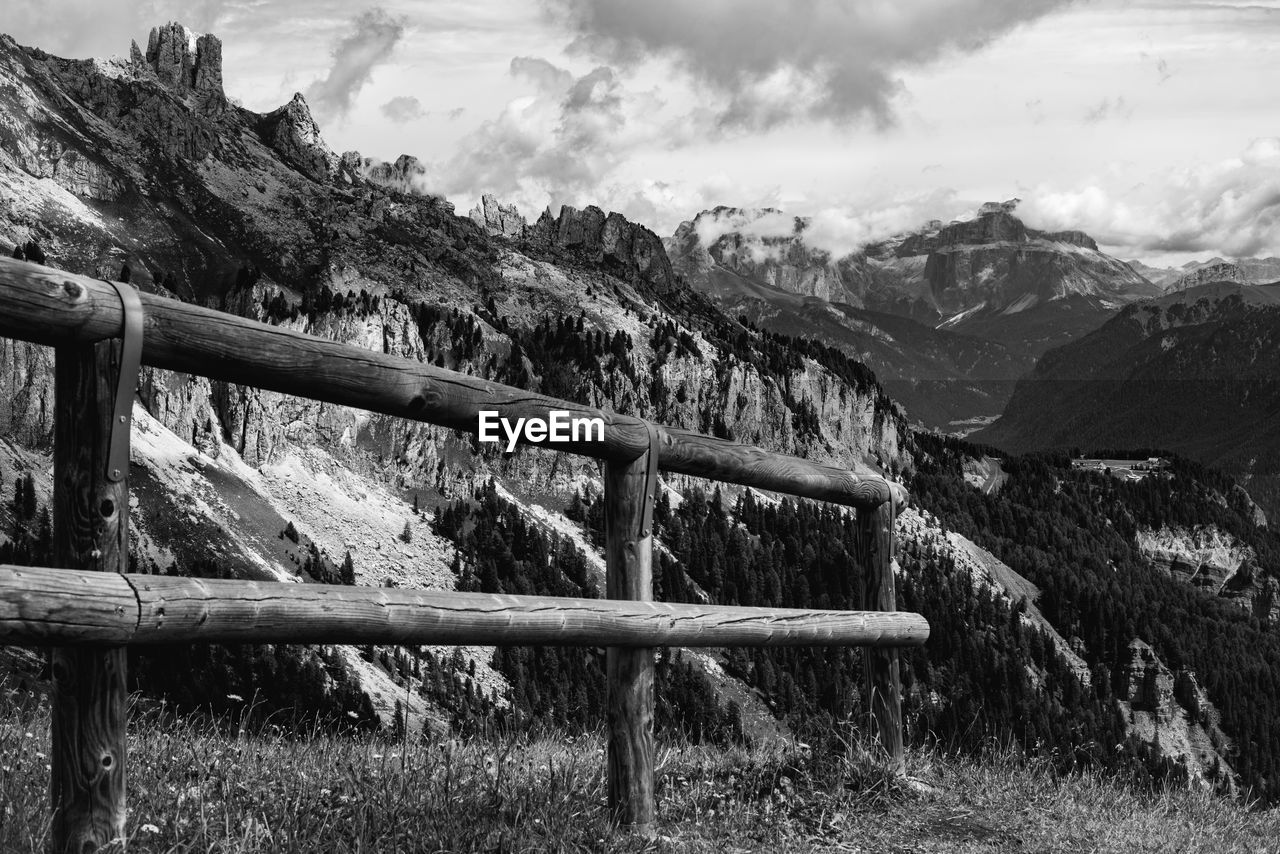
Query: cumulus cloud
x=543, y=74
x=772, y=62
x=560, y=144
x=373, y=36
x=841, y=231
x=403, y=108
x=1232, y=206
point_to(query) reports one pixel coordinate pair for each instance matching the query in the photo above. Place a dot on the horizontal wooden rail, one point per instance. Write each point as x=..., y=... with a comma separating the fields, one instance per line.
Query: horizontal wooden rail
x=66, y=606
x=48, y=306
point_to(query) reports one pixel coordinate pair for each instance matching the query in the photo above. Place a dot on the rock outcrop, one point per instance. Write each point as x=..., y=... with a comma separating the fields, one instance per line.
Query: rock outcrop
x=1172, y=715
x=1148, y=684
x=629, y=248
x=496, y=218
x=294, y=134
x=1203, y=556
x=186, y=64
x=406, y=174
x=1246, y=271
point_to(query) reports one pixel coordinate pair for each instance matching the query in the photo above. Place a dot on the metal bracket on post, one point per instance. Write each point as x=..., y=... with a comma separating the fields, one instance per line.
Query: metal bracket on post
x=127, y=383
x=650, y=483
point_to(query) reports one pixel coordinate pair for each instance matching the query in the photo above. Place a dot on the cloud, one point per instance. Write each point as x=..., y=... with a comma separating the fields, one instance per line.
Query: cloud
x=772, y=62
x=560, y=145
x=374, y=34
x=1232, y=207
x=1108, y=108
x=403, y=108
x=543, y=74
x=839, y=231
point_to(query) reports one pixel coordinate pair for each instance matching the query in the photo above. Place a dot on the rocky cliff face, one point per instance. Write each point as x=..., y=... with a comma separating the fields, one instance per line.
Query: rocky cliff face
x=609, y=239
x=1171, y=714
x=1245, y=271
x=1249, y=271
x=496, y=218
x=1204, y=556
x=186, y=64
x=294, y=134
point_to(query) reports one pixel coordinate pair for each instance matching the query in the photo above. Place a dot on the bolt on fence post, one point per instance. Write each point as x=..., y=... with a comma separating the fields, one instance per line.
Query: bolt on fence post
x=90, y=530
x=883, y=690
x=629, y=670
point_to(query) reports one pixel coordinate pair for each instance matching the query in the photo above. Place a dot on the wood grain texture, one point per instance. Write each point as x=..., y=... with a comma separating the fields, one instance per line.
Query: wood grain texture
x=52, y=307
x=39, y=605
x=883, y=690
x=629, y=671
x=87, y=754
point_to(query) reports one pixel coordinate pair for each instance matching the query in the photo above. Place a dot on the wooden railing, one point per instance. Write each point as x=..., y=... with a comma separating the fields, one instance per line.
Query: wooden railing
x=88, y=609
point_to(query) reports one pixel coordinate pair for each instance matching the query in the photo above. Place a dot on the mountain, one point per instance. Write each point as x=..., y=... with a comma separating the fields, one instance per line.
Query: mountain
x=1065, y=618
x=1194, y=371
x=984, y=297
x=1245, y=271
x=142, y=169
x=942, y=378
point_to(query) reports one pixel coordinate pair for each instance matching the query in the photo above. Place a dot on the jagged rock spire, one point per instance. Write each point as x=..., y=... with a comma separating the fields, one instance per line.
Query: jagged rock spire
x=292, y=132
x=497, y=218
x=185, y=64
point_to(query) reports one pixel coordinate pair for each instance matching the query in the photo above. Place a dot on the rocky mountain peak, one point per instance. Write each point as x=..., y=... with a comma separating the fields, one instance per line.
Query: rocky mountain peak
x=293, y=133
x=610, y=239
x=496, y=218
x=1007, y=207
x=1222, y=271
x=185, y=63
x=405, y=174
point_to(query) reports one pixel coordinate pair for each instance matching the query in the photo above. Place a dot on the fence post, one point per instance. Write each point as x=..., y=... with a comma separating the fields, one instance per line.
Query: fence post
x=90, y=527
x=883, y=691
x=629, y=671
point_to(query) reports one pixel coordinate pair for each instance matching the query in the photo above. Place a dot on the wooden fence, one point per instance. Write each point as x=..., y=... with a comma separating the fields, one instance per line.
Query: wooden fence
x=88, y=609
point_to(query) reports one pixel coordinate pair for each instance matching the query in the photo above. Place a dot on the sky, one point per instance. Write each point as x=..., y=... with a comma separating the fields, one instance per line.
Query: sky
x=1149, y=124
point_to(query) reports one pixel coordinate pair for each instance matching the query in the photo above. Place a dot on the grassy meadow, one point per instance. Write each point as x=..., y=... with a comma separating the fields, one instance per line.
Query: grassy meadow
x=204, y=786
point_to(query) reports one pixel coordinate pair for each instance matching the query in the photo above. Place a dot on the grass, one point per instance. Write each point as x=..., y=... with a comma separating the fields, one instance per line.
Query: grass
x=199, y=787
